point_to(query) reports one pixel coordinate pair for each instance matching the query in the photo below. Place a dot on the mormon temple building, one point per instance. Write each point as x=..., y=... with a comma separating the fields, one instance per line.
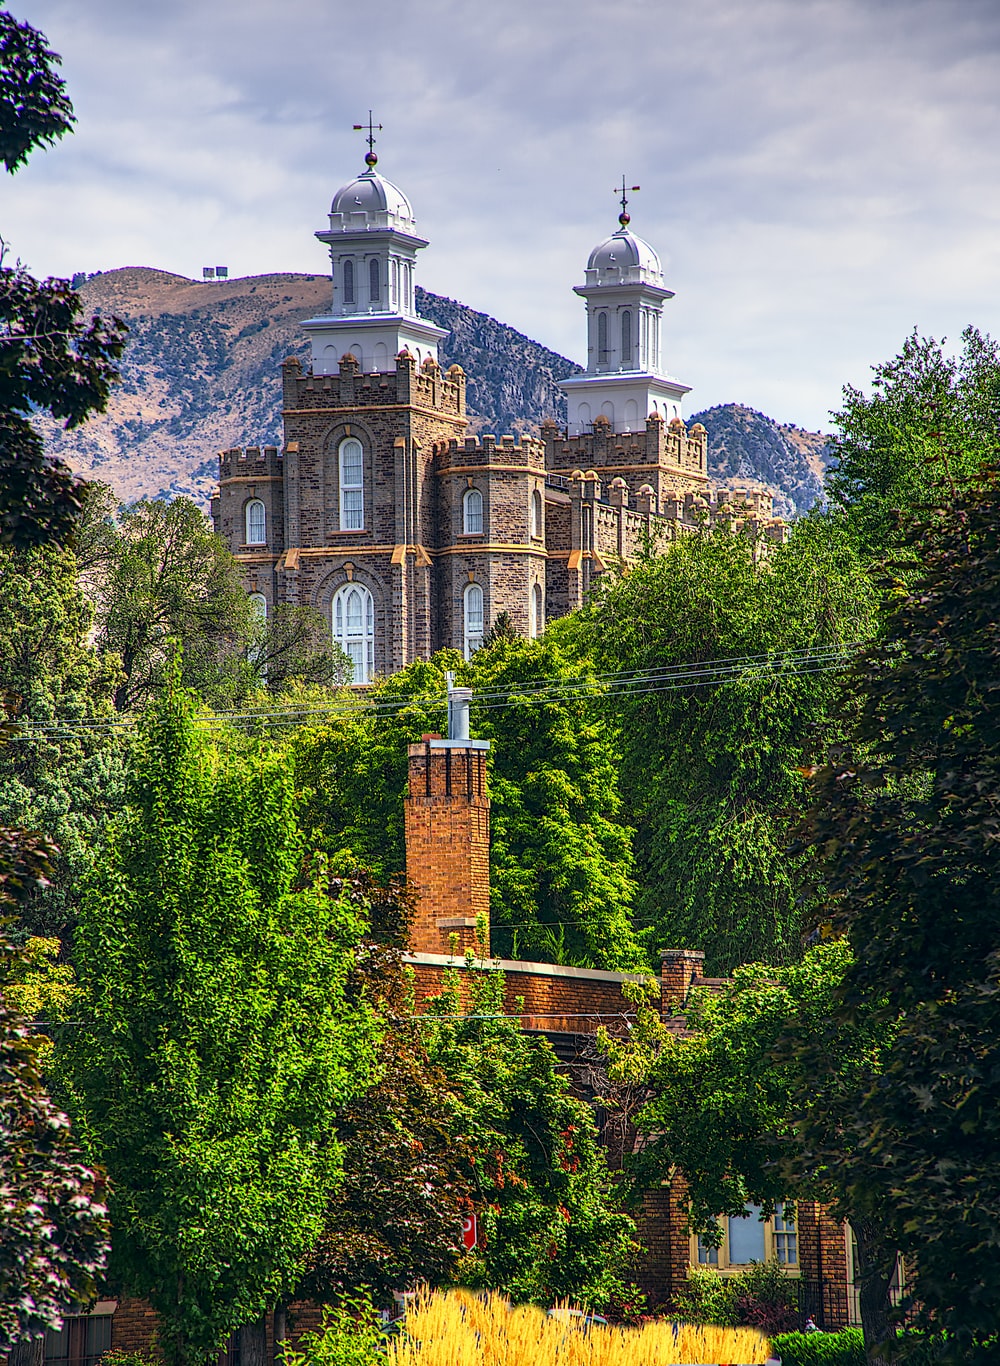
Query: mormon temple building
x=410, y=536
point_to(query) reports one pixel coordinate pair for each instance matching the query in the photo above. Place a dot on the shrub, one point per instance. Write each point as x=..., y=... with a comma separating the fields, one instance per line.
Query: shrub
x=846, y=1348
x=760, y=1297
x=349, y=1335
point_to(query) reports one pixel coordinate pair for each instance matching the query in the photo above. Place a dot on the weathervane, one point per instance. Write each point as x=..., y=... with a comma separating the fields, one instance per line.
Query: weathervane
x=625, y=191
x=371, y=160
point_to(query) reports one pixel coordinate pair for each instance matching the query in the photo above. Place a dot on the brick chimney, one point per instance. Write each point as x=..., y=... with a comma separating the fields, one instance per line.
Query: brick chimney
x=678, y=969
x=447, y=814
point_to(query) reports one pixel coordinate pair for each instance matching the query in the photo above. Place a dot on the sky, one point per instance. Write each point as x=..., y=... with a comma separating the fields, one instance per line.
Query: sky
x=819, y=177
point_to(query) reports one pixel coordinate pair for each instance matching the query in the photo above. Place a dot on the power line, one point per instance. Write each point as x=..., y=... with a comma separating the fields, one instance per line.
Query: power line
x=633, y=683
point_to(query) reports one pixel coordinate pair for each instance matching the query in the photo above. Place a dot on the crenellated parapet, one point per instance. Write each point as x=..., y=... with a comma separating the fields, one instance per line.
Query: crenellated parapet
x=351, y=387
x=251, y=462
x=669, y=456
x=527, y=452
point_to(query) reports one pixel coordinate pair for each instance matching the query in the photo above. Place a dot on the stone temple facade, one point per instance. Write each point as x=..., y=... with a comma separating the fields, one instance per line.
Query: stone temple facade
x=410, y=536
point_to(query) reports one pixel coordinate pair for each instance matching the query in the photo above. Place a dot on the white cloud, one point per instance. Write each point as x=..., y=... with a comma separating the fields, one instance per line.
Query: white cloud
x=819, y=176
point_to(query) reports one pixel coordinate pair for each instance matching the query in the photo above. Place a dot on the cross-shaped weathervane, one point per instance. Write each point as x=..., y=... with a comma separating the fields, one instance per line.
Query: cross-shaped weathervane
x=625, y=190
x=371, y=159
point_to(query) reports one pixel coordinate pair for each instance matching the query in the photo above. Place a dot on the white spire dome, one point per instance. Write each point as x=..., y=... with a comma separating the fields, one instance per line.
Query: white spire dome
x=370, y=201
x=624, y=258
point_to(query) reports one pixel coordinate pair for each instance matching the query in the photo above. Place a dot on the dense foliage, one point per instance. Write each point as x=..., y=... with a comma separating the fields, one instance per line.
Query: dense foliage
x=220, y=1037
x=713, y=767
x=927, y=426
x=846, y=1348
x=910, y=834
x=561, y=860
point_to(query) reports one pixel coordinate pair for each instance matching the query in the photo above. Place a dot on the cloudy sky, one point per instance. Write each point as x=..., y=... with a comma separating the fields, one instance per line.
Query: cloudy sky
x=819, y=176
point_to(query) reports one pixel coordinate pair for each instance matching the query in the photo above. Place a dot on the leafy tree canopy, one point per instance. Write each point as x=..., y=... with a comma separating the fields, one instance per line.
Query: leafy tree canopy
x=561, y=857
x=222, y=1030
x=34, y=106
x=909, y=830
x=713, y=768
x=926, y=427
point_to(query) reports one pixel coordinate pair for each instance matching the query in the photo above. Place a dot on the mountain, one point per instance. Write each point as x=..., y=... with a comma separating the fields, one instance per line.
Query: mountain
x=744, y=444
x=200, y=374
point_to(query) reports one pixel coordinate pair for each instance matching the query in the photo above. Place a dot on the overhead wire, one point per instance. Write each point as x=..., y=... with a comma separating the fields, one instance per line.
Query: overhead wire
x=699, y=673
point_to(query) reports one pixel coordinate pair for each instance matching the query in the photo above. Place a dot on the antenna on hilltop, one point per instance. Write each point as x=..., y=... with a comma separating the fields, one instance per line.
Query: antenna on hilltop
x=625, y=190
x=371, y=160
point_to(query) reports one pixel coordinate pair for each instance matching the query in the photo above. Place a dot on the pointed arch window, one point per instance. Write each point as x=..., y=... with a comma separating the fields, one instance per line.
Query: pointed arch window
x=472, y=513
x=354, y=629
x=473, y=619
x=374, y=280
x=256, y=522
x=537, y=610
x=627, y=337
x=348, y=282
x=536, y=513
x=602, y=339
x=352, y=485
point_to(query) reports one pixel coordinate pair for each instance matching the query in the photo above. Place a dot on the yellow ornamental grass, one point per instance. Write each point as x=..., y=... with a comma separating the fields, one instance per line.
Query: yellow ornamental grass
x=462, y=1329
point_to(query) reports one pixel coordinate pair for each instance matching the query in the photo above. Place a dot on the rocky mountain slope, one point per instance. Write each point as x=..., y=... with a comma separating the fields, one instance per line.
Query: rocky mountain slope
x=200, y=374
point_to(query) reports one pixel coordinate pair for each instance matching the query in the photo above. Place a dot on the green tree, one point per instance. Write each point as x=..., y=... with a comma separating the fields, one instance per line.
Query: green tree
x=221, y=1033
x=550, y=1221
x=924, y=430
x=561, y=852
x=758, y=1101
x=909, y=829
x=61, y=769
x=160, y=577
x=712, y=764
x=50, y=361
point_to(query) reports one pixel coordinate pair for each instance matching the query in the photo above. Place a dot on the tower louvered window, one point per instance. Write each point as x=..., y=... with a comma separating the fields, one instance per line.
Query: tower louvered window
x=602, y=339
x=626, y=338
x=352, y=485
x=374, y=281
x=348, y=282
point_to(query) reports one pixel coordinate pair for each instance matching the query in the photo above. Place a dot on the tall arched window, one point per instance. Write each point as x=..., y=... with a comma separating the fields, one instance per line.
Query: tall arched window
x=354, y=629
x=348, y=282
x=472, y=513
x=473, y=619
x=374, y=281
x=256, y=523
x=537, y=610
x=352, y=485
x=536, y=513
x=395, y=283
x=627, y=338
x=259, y=604
x=602, y=339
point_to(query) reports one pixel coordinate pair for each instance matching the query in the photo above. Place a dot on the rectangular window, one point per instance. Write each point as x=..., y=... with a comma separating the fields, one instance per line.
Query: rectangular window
x=82, y=1340
x=786, y=1236
x=746, y=1238
x=707, y=1256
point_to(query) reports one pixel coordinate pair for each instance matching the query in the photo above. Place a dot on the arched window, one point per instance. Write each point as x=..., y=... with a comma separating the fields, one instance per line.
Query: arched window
x=348, y=282
x=537, y=610
x=374, y=281
x=602, y=339
x=472, y=513
x=256, y=523
x=627, y=338
x=395, y=283
x=352, y=485
x=473, y=619
x=536, y=513
x=354, y=629
x=259, y=604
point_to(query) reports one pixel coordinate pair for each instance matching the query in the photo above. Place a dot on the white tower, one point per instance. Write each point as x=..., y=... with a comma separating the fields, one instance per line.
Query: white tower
x=373, y=246
x=625, y=379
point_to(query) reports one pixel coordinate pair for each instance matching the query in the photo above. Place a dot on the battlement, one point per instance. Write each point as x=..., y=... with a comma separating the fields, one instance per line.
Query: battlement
x=667, y=446
x=350, y=387
x=527, y=451
x=251, y=462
